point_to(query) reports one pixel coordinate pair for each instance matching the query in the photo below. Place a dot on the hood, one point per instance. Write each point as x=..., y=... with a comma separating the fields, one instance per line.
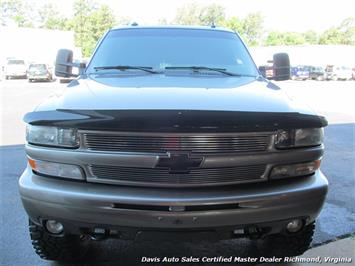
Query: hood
x=173, y=103
x=160, y=92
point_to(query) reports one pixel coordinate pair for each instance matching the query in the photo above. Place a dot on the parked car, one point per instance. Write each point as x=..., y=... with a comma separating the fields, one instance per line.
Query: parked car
x=317, y=73
x=329, y=72
x=342, y=73
x=338, y=72
x=267, y=71
x=39, y=72
x=300, y=73
x=173, y=136
x=15, y=68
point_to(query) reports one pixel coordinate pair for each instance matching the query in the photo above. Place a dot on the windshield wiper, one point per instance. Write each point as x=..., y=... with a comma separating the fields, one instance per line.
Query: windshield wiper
x=123, y=68
x=196, y=68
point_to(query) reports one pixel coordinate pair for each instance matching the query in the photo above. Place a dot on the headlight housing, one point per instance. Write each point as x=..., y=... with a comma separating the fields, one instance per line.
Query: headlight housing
x=294, y=138
x=52, y=136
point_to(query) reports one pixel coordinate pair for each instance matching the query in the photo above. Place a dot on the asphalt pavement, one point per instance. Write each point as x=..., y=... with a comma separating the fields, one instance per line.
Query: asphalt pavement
x=333, y=99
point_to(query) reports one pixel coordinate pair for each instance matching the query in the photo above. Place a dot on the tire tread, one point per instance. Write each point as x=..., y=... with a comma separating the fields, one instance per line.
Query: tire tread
x=291, y=245
x=66, y=248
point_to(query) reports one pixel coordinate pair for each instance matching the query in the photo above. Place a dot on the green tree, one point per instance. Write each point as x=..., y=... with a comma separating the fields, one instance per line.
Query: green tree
x=253, y=28
x=81, y=24
x=342, y=34
x=293, y=38
x=188, y=14
x=89, y=23
x=347, y=27
x=311, y=37
x=331, y=36
x=274, y=38
x=51, y=19
x=193, y=14
x=16, y=11
x=234, y=24
x=213, y=14
x=284, y=38
x=250, y=28
x=101, y=20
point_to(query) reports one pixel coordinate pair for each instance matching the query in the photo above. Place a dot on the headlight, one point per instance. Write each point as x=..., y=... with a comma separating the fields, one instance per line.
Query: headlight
x=291, y=170
x=299, y=138
x=52, y=136
x=56, y=169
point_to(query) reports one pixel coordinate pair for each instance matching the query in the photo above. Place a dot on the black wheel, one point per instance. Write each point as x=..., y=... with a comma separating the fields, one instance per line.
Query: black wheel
x=68, y=248
x=287, y=245
x=30, y=80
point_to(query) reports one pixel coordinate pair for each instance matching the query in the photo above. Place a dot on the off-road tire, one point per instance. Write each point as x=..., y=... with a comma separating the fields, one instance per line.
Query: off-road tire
x=68, y=248
x=287, y=245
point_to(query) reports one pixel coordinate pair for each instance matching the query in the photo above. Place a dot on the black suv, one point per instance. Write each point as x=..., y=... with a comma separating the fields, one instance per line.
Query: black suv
x=172, y=133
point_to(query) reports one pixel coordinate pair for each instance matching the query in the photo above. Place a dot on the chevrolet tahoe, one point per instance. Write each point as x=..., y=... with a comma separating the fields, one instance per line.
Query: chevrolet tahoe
x=172, y=133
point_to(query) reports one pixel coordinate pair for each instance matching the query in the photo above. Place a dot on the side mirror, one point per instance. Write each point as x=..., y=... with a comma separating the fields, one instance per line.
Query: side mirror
x=64, y=64
x=281, y=66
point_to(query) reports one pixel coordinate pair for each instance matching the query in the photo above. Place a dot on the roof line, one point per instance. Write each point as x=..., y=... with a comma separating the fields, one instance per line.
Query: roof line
x=174, y=27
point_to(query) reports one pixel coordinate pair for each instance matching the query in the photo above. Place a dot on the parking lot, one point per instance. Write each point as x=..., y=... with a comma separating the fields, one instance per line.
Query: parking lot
x=334, y=99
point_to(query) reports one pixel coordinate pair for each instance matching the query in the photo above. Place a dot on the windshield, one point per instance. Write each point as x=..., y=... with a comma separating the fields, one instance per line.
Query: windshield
x=16, y=62
x=38, y=67
x=345, y=68
x=163, y=48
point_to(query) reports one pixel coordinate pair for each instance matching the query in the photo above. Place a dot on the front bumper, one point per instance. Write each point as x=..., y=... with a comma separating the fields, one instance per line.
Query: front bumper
x=16, y=74
x=38, y=77
x=86, y=205
x=302, y=76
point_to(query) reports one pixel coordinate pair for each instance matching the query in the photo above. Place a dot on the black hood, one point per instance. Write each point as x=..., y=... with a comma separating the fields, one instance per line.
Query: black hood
x=173, y=103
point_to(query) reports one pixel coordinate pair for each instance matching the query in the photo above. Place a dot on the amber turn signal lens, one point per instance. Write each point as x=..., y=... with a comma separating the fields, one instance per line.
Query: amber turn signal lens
x=32, y=163
x=56, y=169
x=291, y=170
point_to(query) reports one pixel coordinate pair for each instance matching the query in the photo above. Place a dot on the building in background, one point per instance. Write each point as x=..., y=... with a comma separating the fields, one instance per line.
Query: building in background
x=35, y=45
x=314, y=55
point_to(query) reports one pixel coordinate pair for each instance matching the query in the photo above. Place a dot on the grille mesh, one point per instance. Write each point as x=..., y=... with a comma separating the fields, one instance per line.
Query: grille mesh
x=195, y=144
x=201, y=176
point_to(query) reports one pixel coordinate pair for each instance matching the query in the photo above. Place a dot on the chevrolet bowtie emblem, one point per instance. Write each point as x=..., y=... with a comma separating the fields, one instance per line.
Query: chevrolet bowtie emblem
x=179, y=163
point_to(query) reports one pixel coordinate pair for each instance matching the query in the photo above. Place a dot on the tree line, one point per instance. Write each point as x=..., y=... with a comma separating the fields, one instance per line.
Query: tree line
x=90, y=20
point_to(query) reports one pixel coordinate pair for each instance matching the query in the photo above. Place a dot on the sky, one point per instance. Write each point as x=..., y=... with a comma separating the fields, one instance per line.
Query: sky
x=284, y=15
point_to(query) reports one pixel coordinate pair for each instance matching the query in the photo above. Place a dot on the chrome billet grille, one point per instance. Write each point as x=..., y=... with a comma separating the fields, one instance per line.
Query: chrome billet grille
x=162, y=177
x=217, y=143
